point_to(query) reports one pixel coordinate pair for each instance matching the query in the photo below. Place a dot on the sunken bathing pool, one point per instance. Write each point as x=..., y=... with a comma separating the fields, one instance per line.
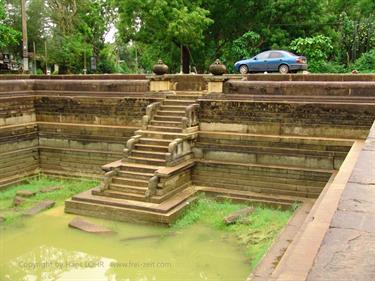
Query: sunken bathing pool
x=191, y=177
x=199, y=246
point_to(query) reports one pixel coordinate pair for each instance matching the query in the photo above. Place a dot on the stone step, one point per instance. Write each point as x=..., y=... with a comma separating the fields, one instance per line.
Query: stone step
x=160, y=123
x=179, y=102
x=246, y=194
x=185, y=96
x=147, y=161
x=157, y=142
x=180, y=113
x=138, y=202
x=160, y=135
x=90, y=204
x=241, y=187
x=265, y=177
x=129, y=182
x=167, y=118
x=173, y=107
x=135, y=175
x=121, y=195
x=264, y=202
x=260, y=182
x=148, y=154
x=139, y=168
x=274, y=148
x=165, y=129
x=126, y=188
x=152, y=147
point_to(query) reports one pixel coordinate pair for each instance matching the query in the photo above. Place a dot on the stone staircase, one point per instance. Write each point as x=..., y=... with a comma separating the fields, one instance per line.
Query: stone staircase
x=166, y=164
x=150, y=149
x=156, y=160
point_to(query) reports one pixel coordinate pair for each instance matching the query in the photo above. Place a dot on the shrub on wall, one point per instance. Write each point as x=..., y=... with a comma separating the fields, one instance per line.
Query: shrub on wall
x=366, y=63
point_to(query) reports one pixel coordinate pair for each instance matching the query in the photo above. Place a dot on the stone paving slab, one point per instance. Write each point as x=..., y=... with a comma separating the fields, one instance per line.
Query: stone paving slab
x=348, y=249
x=41, y=206
x=346, y=254
x=89, y=227
x=358, y=198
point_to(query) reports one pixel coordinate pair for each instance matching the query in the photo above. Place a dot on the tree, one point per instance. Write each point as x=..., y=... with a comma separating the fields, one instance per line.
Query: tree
x=8, y=35
x=161, y=22
x=78, y=31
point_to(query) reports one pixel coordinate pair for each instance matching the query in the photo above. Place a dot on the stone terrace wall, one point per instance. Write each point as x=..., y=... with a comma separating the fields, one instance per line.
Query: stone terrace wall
x=18, y=139
x=78, y=135
x=311, y=77
x=297, y=118
x=67, y=127
x=275, y=143
x=301, y=88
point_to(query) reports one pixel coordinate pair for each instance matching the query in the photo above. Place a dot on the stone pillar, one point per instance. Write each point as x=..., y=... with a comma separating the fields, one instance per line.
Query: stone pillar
x=215, y=84
x=159, y=83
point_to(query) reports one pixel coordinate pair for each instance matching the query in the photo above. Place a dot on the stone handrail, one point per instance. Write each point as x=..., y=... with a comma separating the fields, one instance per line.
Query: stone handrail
x=130, y=145
x=191, y=116
x=175, y=149
x=150, y=112
x=152, y=186
x=107, y=179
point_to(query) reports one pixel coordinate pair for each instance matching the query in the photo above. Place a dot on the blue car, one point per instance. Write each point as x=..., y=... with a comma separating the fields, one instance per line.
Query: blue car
x=272, y=61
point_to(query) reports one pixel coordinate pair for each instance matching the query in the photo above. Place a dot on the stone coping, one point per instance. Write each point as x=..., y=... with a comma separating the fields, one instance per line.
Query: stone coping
x=347, y=250
x=299, y=258
x=74, y=77
x=249, y=77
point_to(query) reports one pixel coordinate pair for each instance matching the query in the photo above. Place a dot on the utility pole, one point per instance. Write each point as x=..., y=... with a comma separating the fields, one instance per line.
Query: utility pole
x=34, y=58
x=46, y=56
x=25, y=52
x=84, y=63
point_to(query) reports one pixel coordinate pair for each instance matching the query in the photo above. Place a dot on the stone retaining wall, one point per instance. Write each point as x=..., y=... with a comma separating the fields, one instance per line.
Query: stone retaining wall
x=301, y=118
x=300, y=88
x=18, y=139
x=67, y=127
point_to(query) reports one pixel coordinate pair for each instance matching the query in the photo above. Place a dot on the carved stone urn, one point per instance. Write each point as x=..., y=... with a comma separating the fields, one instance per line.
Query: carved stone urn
x=160, y=68
x=217, y=68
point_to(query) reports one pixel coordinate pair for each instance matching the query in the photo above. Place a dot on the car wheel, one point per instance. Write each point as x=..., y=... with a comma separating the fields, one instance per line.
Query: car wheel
x=244, y=69
x=283, y=69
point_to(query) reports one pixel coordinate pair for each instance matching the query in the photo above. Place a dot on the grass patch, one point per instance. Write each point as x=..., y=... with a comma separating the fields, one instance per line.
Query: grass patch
x=70, y=187
x=257, y=235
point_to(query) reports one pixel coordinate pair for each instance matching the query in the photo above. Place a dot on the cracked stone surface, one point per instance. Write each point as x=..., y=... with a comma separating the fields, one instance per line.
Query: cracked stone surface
x=348, y=249
x=346, y=254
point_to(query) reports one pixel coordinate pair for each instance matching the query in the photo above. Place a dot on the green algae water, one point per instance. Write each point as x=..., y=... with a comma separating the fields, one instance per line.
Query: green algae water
x=44, y=248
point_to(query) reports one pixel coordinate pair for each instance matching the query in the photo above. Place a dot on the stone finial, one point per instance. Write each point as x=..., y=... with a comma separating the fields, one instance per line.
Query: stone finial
x=217, y=68
x=160, y=68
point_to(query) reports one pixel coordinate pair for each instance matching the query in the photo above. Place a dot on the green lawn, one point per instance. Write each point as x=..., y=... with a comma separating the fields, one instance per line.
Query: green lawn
x=70, y=187
x=256, y=235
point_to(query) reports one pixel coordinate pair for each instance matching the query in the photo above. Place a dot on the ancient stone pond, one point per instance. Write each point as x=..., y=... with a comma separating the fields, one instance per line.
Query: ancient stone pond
x=300, y=145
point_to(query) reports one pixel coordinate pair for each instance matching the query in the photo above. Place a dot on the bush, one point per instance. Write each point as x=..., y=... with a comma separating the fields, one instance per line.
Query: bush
x=326, y=67
x=317, y=48
x=366, y=63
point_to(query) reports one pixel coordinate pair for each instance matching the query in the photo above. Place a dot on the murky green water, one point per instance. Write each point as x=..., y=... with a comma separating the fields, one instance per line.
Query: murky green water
x=45, y=248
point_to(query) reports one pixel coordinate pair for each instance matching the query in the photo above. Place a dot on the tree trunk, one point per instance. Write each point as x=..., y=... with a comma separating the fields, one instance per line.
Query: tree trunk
x=185, y=60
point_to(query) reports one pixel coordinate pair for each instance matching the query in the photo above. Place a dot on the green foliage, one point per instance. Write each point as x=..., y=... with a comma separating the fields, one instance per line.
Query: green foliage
x=246, y=46
x=330, y=33
x=68, y=52
x=8, y=35
x=366, y=63
x=315, y=48
x=257, y=236
x=356, y=36
x=207, y=211
x=326, y=67
x=70, y=188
